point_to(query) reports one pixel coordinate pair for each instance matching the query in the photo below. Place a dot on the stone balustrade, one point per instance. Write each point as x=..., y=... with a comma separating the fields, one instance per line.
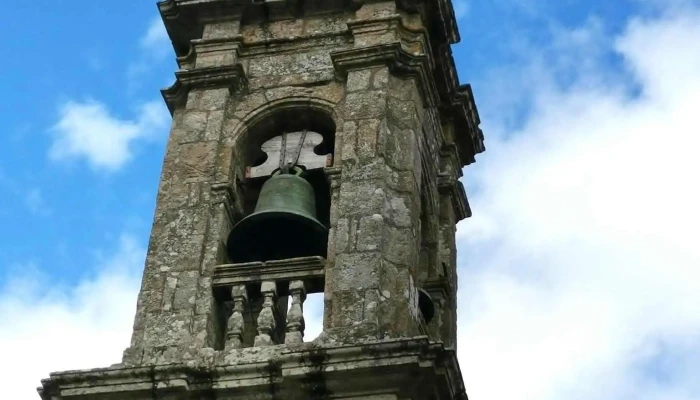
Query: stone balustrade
x=259, y=295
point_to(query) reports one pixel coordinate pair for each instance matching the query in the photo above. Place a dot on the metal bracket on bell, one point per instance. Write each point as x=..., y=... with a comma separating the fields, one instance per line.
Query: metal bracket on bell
x=287, y=168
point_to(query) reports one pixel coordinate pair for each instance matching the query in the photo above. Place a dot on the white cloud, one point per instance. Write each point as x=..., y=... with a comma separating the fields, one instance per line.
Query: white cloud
x=154, y=46
x=461, y=8
x=581, y=271
x=48, y=327
x=156, y=37
x=88, y=130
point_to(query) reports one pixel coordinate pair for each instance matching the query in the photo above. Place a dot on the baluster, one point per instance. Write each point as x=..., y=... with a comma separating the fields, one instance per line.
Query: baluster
x=295, y=316
x=266, y=319
x=234, y=335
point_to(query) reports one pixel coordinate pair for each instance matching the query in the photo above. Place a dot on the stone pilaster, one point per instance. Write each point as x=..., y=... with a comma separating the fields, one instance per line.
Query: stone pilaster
x=176, y=315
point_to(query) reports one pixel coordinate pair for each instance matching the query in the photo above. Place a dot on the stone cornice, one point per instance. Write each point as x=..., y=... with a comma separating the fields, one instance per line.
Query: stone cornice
x=468, y=136
x=183, y=18
x=448, y=180
x=443, y=18
x=303, y=268
x=231, y=76
x=396, y=58
x=334, y=174
x=308, y=370
x=448, y=184
x=223, y=193
x=458, y=104
x=439, y=289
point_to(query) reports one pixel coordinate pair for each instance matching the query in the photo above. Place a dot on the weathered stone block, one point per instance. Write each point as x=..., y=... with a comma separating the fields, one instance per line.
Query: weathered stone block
x=348, y=139
x=347, y=307
x=357, y=271
x=369, y=235
x=167, y=329
x=399, y=148
x=380, y=80
x=374, y=10
x=194, y=162
x=191, y=126
x=168, y=292
x=325, y=24
x=241, y=108
x=374, y=170
x=279, y=65
x=400, y=246
x=367, y=133
x=358, y=80
x=361, y=198
x=365, y=104
x=214, y=125
x=221, y=30
x=213, y=99
x=401, y=210
x=186, y=291
x=341, y=235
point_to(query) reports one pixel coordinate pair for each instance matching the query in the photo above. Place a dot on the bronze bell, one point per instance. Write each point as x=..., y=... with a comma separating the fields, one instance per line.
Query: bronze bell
x=283, y=225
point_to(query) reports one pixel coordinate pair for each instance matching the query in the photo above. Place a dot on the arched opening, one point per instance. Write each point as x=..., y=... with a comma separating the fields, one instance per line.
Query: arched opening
x=286, y=119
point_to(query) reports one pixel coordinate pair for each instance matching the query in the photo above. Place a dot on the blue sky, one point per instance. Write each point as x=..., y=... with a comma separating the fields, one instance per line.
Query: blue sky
x=57, y=212
x=578, y=271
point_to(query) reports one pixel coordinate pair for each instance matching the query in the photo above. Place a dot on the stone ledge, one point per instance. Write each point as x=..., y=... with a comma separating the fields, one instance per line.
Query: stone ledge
x=414, y=369
x=310, y=269
x=396, y=58
x=467, y=120
x=448, y=184
x=230, y=76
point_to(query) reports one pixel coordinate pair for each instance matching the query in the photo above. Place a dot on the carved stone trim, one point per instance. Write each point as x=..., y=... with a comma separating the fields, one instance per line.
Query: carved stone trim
x=450, y=162
x=267, y=319
x=466, y=117
x=449, y=185
x=236, y=322
x=396, y=58
x=302, y=268
x=184, y=19
x=223, y=193
x=443, y=16
x=439, y=290
x=295, y=314
x=448, y=180
x=334, y=175
x=397, y=362
x=229, y=45
x=231, y=76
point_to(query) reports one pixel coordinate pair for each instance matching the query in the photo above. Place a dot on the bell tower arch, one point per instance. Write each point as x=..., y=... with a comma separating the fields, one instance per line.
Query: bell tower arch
x=316, y=147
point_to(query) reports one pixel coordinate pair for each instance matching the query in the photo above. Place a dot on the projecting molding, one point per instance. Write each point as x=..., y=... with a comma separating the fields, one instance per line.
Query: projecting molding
x=308, y=371
x=396, y=58
x=230, y=76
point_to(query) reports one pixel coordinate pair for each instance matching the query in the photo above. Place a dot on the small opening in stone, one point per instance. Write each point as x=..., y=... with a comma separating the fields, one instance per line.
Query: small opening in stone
x=313, y=315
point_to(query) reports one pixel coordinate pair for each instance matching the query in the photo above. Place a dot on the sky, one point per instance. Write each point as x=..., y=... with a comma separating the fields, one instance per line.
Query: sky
x=578, y=272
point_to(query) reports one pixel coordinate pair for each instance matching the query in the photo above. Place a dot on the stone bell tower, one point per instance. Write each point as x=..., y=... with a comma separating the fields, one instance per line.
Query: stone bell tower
x=316, y=147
